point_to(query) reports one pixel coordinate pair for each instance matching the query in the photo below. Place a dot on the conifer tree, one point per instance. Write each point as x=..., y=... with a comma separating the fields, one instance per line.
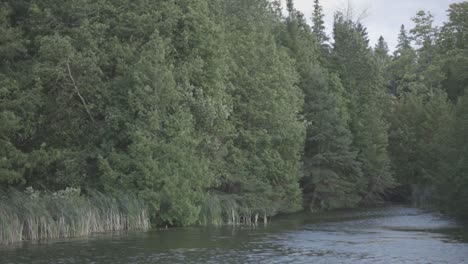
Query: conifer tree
x=319, y=24
x=404, y=42
x=453, y=48
x=364, y=86
x=402, y=68
x=381, y=52
x=264, y=153
x=332, y=175
x=452, y=178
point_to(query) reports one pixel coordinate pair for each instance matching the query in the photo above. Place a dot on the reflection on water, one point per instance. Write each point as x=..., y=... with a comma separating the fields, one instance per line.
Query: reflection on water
x=391, y=234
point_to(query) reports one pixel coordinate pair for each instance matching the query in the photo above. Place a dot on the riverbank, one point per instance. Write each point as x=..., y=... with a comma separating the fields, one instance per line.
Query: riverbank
x=66, y=214
x=389, y=234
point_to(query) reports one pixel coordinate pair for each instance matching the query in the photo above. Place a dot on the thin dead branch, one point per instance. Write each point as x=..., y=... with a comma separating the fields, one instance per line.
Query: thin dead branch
x=77, y=91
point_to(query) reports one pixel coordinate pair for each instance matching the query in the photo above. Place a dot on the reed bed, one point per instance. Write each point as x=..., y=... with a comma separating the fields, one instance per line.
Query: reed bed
x=232, y=210
x=32, y=215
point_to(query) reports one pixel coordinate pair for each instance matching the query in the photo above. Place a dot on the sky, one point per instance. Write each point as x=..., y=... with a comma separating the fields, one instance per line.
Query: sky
x=382, y=17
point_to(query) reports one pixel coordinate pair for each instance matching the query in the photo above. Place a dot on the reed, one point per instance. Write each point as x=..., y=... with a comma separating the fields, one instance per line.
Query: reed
x=232, y=210
x=32, y=215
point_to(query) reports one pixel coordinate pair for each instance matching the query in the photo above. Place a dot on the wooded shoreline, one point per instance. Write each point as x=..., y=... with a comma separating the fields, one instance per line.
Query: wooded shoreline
x=221, y=111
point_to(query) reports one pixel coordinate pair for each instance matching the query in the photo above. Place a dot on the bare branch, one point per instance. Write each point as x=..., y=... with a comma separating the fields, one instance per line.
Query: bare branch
x=77, y=91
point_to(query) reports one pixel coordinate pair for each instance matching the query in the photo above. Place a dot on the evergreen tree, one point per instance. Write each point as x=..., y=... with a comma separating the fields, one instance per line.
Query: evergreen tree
x=381, y=52
x=319, y=24
x=402, y=68
x=422, y=121
x=452, y=182
x=452, y=47
x=364, y=86
x=418, y=129
x=404, y=42
x=264, y=153
x=332, y=174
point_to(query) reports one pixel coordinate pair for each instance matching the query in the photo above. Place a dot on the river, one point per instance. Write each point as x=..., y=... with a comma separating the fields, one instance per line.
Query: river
x=390, y=234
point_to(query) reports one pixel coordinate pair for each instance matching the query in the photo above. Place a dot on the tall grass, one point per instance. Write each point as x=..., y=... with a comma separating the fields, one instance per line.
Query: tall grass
x=232, y=210
x=65, y=214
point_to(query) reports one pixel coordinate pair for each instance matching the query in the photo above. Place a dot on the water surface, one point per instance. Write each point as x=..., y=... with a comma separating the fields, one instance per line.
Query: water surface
x=391, y=234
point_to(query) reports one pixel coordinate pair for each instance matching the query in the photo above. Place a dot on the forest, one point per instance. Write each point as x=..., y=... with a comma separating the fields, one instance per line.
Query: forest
x=119, y=114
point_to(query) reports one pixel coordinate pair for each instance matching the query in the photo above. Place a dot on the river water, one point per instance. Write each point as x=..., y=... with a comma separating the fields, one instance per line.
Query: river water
x=390, y=234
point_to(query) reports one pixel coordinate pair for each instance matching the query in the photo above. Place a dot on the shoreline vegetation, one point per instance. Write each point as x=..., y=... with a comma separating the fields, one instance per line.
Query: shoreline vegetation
x=33, y=215
x=179, y=113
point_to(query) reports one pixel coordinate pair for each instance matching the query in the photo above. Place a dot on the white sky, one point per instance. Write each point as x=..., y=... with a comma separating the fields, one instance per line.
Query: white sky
x=384, y=17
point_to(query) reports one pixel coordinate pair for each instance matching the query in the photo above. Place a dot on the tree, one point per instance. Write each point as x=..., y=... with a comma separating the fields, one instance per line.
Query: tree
x=423, y=33
x=332, y=174
x=263, y=161
x=364, y=87
x=452, y=184
x=419, y=126
x=12, y=48
x=404, y=42
x=319, y=24
x=381, y=52
x=453, y=49
x=402, y=68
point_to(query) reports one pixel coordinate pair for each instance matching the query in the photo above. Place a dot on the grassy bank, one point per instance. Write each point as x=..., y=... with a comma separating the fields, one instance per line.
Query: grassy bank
x=31, y=215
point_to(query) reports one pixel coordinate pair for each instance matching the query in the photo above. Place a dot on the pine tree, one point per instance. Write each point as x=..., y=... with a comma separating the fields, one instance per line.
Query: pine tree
x=332, y=174
x=403, y=65
x=452, y=178
x=453, y=48
x=290, y=7
x=319, y=24
x=419, y=128
x=264, y=152
x=364, y=87
x=404, y=42
x=381, y=52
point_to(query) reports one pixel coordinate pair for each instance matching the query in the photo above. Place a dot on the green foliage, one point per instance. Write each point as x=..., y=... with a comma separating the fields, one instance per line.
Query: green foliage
x=332, y=174
x=427, y=133
x=364, y=86
x=453, y=48
x=420, y=122
x=452, y=189
x=318, y=23
x=223, y=111
x=166, y=100
x=404, y=42
x=423, y=33
x=264, y=154
x=381, y=52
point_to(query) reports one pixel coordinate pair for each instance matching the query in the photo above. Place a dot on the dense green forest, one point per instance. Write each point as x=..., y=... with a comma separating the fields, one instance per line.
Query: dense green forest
x=225, y=111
